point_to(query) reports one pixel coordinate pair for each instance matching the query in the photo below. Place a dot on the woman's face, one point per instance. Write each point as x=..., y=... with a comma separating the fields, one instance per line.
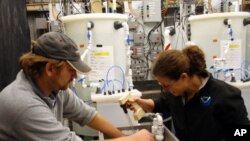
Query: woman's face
x=175, y=87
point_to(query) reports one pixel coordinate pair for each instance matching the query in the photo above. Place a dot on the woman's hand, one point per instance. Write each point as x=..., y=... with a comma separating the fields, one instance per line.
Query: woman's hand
x=146, y=104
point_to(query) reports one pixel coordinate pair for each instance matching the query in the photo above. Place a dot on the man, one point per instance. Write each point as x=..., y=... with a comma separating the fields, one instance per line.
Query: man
x=33, y=106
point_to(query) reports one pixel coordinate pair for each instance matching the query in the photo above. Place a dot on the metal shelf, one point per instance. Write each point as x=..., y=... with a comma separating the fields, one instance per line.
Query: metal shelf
x=37, y=7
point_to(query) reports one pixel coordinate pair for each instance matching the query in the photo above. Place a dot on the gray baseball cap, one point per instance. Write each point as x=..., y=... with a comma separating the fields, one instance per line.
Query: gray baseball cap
x=56, y=45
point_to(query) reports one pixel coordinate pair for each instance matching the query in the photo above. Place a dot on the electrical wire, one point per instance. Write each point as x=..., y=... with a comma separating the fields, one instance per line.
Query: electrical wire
x=143, y=28
x=150, y=44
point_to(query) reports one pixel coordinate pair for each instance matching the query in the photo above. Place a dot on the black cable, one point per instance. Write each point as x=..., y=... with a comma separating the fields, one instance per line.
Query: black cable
x=162, y=37
x=175, y=26
x=150, y=44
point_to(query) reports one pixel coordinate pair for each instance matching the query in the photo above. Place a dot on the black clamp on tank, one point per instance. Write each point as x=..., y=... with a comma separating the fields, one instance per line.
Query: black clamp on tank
x=246, y=21
x=91, y=25
x=117, y=25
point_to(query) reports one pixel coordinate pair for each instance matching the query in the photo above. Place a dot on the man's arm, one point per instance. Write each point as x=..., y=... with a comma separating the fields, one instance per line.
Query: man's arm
x=101, y=124
x=142, y=135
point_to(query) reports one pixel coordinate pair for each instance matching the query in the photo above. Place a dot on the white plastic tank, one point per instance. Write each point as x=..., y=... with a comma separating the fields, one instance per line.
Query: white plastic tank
x=210, y=33
x=108, y=48
x=107, y=42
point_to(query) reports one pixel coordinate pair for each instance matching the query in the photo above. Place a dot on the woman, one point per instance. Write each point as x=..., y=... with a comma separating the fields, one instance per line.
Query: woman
x=201, y=106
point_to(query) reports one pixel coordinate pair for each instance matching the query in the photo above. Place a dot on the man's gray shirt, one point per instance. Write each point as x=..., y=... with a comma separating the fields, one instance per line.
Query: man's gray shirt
x=27, y=115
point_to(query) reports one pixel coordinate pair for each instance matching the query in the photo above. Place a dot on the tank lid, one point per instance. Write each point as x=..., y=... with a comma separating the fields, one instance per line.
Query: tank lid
x=94, y=16
x=219, y=15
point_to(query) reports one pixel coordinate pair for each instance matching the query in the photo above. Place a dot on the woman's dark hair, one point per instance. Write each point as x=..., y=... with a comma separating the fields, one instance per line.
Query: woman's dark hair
x=173, y=63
